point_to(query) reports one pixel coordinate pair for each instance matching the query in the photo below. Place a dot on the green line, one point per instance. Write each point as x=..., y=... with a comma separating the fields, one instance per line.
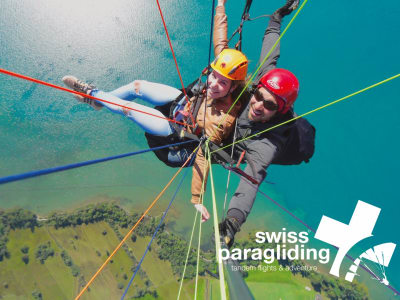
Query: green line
x=200, y=221
x=198, y=258
x=187, y=256
x=190, y=243
x=216, y=233
x=312, y=111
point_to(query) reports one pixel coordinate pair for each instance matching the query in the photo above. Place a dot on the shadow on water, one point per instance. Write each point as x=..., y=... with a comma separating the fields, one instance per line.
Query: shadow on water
x=26, y=95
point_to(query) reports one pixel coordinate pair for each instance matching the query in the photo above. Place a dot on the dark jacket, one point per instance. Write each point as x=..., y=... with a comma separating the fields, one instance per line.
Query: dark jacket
x=261, y=151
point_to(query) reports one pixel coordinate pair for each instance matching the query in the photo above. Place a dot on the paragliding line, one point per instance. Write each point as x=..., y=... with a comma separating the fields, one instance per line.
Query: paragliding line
x=7, y=72
x=312, y=111
x=262, y=63
x=176, y=63
x=158, y=227
x=37, y=173
x=216, y=233
x=132, y=229
x=313, y=230
x=200, y=222
x=187, y=255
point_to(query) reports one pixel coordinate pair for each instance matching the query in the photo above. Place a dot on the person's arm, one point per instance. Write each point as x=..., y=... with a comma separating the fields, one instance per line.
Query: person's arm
x=271, y=35
x=261, y=153
x=198, y=175
x=220, y=35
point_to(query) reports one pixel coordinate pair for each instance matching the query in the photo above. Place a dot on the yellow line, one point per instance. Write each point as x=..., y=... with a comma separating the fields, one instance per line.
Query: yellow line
x=200, y=221
x=198, y=259
x=216, y=234
x=312, y=111
x=132, y=229
x=187, y=256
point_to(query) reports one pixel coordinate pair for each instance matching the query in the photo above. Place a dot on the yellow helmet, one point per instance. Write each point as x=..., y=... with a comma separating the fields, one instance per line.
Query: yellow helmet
x=231, y=63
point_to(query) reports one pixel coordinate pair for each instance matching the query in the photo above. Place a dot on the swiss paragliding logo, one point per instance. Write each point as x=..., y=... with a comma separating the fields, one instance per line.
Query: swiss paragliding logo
x=345, y=236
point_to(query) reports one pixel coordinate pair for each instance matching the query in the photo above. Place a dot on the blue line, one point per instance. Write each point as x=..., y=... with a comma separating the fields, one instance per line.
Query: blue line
x=31, y=174
x=158, y=227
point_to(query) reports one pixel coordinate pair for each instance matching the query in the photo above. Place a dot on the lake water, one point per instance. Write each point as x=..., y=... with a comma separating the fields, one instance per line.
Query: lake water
x=334, y=47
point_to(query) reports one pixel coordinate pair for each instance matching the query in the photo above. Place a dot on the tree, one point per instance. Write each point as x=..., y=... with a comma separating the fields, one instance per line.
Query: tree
x=315, y=279
x=25, y=259
x=75, y=270
x=37, y=295
x=25, y=249
x=43, y=252
x=66, y=258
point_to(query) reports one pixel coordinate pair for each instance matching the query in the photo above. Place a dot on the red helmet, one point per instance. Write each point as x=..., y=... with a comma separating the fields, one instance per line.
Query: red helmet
x=283, y=84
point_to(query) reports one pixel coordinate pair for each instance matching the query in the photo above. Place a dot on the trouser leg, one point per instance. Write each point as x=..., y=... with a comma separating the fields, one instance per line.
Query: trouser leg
x=178, y=156
x=147, y=121
x=271, y=35
x=154, y=93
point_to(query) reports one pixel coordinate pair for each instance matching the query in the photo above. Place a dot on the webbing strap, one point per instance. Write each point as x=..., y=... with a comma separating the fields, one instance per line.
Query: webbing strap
x=245, y=17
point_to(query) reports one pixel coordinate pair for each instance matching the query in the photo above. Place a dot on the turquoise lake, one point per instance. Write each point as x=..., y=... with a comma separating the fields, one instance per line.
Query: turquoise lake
x=334, y=47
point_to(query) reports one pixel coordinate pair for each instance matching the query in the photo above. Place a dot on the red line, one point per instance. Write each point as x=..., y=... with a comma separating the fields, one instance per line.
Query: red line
x=176, y=63
x=84, y=95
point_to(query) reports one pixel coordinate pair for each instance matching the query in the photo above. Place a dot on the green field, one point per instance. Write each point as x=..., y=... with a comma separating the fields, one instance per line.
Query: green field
x=19, y=280
x=277, y=285
x=53, y=278
x=88, y=247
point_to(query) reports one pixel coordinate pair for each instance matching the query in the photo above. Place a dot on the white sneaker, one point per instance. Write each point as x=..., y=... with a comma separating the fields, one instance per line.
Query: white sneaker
x=82, y=87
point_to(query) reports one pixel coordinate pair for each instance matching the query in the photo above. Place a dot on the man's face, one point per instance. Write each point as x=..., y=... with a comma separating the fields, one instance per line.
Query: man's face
x=259, y=112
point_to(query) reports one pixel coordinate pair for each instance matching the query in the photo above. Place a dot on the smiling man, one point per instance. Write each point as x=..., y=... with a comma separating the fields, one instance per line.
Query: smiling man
x=271, y=103
x=274, y=95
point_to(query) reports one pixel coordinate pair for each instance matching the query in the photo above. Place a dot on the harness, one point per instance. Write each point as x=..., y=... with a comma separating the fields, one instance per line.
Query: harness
x=196, y=91
x=175, y=111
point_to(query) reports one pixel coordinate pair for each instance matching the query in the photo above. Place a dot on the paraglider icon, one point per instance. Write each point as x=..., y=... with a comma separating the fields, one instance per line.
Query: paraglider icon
x=380, y=254
x=345, y=236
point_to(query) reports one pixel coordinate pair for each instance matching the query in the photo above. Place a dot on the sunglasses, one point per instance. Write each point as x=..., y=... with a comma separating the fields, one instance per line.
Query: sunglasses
x=268, y=104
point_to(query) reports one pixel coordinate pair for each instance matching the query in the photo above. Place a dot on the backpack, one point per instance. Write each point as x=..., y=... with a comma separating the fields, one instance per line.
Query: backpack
x=300, y=146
